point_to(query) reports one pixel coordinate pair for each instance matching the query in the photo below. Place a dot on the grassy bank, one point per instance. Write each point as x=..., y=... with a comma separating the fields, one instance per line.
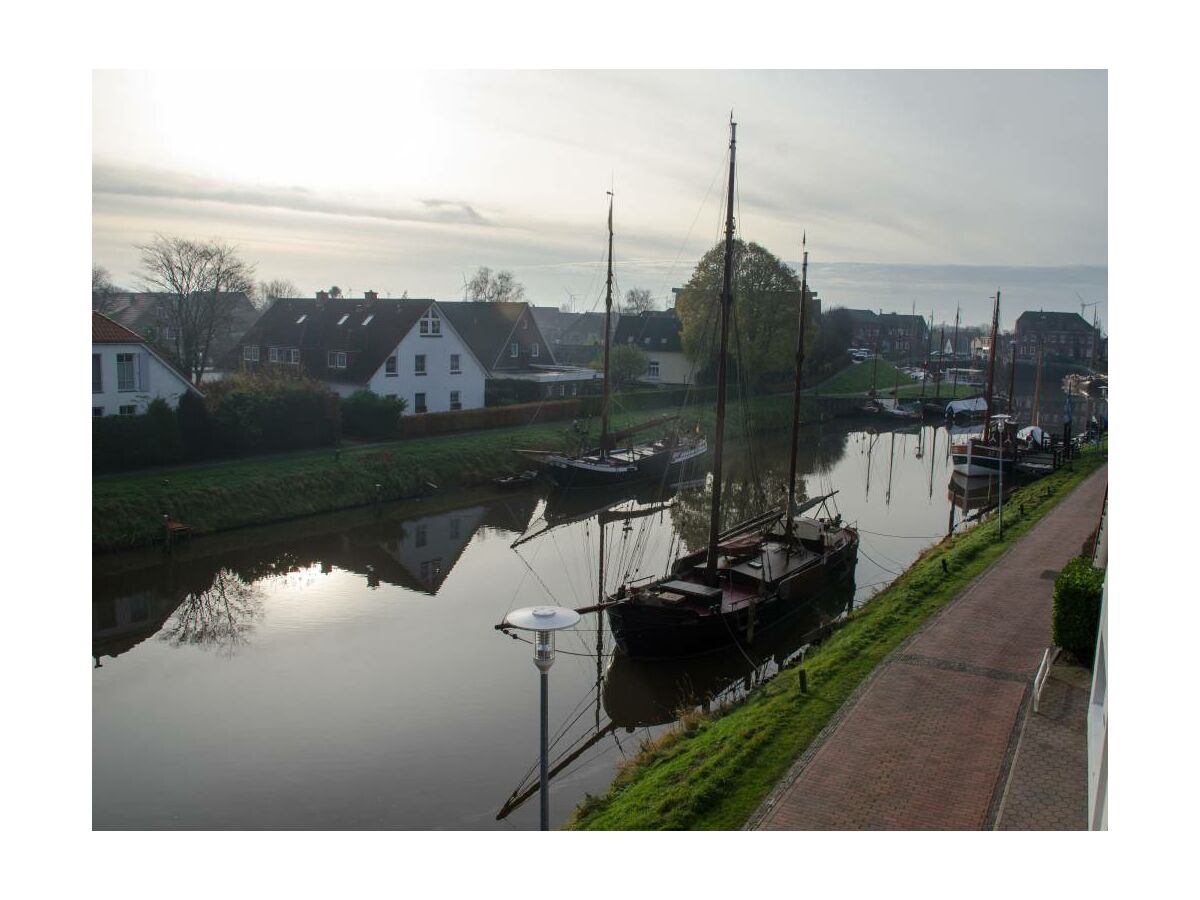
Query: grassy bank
x=856, y=380
x=127, y=510
x=713, y=771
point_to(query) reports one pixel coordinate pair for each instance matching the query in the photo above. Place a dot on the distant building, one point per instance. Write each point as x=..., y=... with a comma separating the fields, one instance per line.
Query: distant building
x=394, y=348
x=1065, y=337
x=128, y=374
x=894, y=334
x=576, y=339
x=147, y=314
x=659, y=335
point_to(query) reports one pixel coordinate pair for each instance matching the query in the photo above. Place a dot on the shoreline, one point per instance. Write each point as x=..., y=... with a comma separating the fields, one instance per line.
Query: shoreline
x=714, y=770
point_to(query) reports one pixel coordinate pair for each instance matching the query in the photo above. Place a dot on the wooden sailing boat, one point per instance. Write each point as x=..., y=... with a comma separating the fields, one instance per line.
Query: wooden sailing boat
x=996, y=450
x=752, y=574
x=617, y=459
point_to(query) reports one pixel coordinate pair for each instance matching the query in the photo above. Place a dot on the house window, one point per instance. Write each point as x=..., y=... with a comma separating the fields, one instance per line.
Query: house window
x=431, y=324
x=456, y=400
x=419, y=403
x=250, y=354
x=126, y=372
x=455, y=527
x=300, y=321
x=292, y=356
x=273, y=354
x=97, y=411
x=336, y=359
x=127, y=410
x=533, y=350
x=515, y=350
x=455, y=368
x=367, y=320
x=342, y=320
x=422, y=535
x=98, y=374
x=389, y=368
x=419, y=363
x=652, y=370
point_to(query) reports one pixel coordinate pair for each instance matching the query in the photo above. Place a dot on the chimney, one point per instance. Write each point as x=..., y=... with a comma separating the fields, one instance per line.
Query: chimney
x=322, y=296
x=370, y=295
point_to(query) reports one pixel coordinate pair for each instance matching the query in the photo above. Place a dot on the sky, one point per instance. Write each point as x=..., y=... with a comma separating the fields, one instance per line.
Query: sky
x=924, y=189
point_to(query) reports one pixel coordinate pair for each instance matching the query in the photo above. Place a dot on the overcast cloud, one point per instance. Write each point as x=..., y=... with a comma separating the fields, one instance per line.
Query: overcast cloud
x=931, y=188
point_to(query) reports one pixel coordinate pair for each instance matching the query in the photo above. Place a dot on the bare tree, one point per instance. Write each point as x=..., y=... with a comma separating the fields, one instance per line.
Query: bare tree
x=500, y=287
x=274, y=290
x=103, y=289
x=220, y=617
x=200, y=280
x=638, y=300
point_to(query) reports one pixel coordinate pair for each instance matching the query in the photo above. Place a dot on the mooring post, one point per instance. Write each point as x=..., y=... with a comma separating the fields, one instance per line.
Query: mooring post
x=167, y=532
x=803, y=681
x=378, y=497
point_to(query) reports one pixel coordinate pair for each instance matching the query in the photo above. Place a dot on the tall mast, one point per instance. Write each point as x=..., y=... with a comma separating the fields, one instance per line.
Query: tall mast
x=954, y=388
x=604, y=406
x=928, y=356
x=1012, y=376
x=714, y=525
x=799, y=383
x=1037, y=388
x=937, y=382
x=987, y=422
x=875, y=360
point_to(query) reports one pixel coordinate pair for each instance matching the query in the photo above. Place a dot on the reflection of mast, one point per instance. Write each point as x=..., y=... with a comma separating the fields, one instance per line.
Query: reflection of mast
x=932, y=462
x=517, y=799
x=870, y=452
x=891, y=462
x=954, y=389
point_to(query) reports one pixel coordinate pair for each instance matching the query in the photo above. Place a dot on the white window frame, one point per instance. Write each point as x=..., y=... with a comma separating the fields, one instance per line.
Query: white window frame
x=132, y=360
x=391, y=366
x=420, y=365
x=456, y=399
x=132, y=407
x=335, y=359
x=419, y=403
x=431, y=324
x=533, y=349
x=293, y=356
x=514, y=349
x=273, y=354
x=455, y=363
x=652, y=369
x=250, y=354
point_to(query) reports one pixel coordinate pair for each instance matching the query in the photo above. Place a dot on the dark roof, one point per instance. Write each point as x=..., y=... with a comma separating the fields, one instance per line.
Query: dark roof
x=106, y=331
x=1032, y=320
x=486, y=328
x=560, y=328
x=368, y=330
x=659, y=331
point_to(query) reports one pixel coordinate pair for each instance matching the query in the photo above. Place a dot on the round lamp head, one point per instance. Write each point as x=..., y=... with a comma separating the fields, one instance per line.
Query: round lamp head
x=542, y=618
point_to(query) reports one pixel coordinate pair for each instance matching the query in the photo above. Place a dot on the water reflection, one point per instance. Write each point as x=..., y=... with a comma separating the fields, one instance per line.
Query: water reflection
x=220, y=617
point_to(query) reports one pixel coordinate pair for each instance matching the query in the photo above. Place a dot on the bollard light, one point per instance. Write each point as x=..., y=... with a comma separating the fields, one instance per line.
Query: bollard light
x=543, y=621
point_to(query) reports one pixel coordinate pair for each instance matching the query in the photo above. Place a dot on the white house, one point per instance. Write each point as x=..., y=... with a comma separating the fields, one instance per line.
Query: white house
x=394, y=348
x=128, y=374
x=659, y=336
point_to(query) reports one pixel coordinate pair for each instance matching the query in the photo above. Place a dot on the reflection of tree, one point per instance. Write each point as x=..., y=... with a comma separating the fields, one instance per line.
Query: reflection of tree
x=743, y=497
x=221, y=616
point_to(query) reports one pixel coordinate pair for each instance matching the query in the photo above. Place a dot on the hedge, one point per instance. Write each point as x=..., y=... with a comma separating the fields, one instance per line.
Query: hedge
x=371, y=417
x=1076, y=617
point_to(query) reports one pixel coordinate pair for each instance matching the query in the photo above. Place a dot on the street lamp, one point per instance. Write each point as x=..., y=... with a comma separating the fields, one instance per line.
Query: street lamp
x=543, y=621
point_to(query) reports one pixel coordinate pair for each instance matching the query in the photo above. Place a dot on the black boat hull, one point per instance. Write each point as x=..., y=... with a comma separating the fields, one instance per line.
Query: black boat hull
x=656, y=632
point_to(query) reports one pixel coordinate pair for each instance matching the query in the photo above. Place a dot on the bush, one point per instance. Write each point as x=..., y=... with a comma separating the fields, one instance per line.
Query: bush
x=132, y=442
x=507, y=391
x=1076, y=619
x=371, y=417
x=262, y=413
x=195, y=426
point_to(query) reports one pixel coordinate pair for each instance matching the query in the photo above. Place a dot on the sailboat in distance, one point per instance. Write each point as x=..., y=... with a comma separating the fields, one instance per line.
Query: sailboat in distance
x=618, y=459
x=753, y=574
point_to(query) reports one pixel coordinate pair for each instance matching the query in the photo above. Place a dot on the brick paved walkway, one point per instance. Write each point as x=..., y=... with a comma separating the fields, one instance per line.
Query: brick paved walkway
x=1047, y=789
x=928, y=741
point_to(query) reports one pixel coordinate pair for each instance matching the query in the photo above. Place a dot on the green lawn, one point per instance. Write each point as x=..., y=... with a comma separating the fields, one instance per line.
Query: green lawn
x=856, y=380
x=713, y=771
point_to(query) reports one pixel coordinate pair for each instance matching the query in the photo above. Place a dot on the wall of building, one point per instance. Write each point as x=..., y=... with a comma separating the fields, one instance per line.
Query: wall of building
x=154, y=379
x=674, y=368
x=438, y=381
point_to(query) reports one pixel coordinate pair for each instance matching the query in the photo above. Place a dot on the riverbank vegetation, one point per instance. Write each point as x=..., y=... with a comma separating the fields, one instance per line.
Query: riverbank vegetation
x=127, y=509
x=712, y=771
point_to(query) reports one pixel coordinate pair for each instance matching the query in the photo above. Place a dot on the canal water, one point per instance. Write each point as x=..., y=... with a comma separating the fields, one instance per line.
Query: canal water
x=344, y=672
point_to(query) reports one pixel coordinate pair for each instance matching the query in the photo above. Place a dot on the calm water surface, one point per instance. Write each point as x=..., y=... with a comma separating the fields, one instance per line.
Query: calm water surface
x=343, y=671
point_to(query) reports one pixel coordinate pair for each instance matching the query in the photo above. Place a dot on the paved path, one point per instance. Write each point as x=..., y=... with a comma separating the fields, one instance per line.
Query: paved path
x=928, y=741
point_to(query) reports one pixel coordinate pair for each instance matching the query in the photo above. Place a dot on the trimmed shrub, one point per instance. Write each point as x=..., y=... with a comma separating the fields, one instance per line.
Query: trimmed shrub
x=195, y=427
x=508, y=391
x=133, y=442
x=371, y=417
x=261, y=413
x=1076, y=621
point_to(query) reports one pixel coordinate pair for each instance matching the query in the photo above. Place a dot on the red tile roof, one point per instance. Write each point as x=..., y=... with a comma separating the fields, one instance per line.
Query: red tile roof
x=106, y=331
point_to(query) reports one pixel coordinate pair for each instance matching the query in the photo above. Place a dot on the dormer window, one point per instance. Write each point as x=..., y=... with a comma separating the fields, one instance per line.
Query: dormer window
x=367, y=320
x=533, y=350
x=431, y=324
x=514, y=350
x=342, y=320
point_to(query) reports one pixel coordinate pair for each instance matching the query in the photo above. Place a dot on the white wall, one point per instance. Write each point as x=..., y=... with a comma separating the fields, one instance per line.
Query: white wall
x=437, y=382
x=154, y=380
x=673, y=368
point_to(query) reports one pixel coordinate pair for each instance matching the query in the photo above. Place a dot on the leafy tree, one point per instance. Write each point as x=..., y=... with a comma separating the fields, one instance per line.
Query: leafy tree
x=627, y=364
x=499, y=287
x=765, y=312
x=829, y=352
x=637, y=300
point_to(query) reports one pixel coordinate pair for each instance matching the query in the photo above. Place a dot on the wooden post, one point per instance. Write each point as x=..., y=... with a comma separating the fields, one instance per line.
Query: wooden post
x=803, y=675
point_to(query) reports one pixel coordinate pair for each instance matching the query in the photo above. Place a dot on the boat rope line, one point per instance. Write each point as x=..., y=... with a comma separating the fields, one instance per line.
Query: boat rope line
x=915, y=537
x=876, y=563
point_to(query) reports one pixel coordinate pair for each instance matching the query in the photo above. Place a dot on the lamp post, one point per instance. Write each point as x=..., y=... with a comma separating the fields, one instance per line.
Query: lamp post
x=543, y=621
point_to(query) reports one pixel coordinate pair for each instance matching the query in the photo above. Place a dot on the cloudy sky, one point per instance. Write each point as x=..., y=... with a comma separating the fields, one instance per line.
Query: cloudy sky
x=925, y=188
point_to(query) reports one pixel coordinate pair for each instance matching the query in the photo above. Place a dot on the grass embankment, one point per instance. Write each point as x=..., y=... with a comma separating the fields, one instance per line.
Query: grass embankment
x=713, y=771
x=127, y=510
x=856, y=380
